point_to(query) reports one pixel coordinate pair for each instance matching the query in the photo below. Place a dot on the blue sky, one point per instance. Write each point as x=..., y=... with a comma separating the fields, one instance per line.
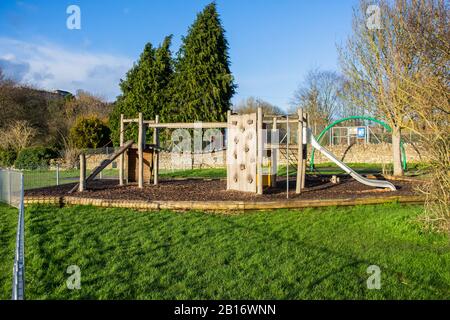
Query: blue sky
x=273, y=43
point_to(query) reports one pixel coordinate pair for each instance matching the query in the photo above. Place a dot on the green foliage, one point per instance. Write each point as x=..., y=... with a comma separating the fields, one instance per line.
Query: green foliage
x=90, y=133
x=203, y=84
x=35, y=157
x=7, y=157
x=145, y=89
x=198, y=86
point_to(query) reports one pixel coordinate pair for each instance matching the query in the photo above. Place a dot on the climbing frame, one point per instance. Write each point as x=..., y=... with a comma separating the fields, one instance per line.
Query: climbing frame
x=242, y=153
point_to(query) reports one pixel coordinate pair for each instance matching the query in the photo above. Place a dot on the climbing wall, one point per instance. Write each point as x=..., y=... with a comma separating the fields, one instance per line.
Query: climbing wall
x=241, y=153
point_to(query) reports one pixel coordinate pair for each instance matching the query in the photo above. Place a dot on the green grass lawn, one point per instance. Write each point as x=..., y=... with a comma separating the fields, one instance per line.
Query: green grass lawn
x=8, y=225
x=324, y=168
x=308, y=254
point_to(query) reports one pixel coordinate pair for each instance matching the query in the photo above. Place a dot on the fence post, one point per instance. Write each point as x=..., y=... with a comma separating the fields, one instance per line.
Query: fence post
x=18, y=286
x=121, y=157
x=57, y=174
x=82, y=184
x=156, y=153
x=141, y=142
x=9, y=187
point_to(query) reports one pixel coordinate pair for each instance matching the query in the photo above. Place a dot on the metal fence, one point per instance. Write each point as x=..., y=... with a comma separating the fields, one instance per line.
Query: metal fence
x=55, y=175
x=12, y=193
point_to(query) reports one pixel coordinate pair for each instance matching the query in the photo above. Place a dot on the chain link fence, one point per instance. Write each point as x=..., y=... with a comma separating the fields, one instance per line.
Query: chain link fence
x=60, y=173
x=12, y=193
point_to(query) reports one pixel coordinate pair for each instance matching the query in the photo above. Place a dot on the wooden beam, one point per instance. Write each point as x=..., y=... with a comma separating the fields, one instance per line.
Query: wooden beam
x=156, y=153
x=193, y=125
x=141, y=152
x=137, y=121
x=300, y=172
x=122, y=156
x=305, y=149
x=273, y=154
x=82, y=184
x=259, y=130
x=280, y=121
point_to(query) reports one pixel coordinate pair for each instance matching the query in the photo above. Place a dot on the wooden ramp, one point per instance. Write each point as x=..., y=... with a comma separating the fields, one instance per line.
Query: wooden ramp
x=104, y=164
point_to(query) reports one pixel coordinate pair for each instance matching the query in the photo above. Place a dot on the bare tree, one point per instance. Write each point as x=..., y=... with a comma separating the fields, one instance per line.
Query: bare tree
x=399, y=70
x=425, y=25
x=377, y=61
x=251, y=105
x=320, y=96
x=17, y=136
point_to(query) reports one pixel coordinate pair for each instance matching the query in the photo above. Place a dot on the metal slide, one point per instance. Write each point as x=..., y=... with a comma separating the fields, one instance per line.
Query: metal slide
x=369, y=182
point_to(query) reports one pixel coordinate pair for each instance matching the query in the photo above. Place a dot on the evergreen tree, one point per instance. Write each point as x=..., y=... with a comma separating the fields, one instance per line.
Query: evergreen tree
x=145, y=88
x=203, y=84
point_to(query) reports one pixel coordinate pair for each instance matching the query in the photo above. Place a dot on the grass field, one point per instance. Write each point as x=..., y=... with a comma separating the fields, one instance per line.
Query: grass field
x=309, y=254
x=324, y=168
x=8, y=225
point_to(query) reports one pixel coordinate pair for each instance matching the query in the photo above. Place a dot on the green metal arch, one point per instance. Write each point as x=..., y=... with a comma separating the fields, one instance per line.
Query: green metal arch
x=385, y=125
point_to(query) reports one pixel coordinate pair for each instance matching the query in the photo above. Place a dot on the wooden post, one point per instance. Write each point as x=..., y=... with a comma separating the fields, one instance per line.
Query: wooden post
x=300, y=172
x=156, y=153
x=122, y=156
x=259, y=129
x=305, y=150
x=82, y=184
x=141, y=152
x=273, y=152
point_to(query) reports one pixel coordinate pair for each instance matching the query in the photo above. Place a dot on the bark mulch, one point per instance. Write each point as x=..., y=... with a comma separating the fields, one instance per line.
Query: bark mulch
x=317, y=187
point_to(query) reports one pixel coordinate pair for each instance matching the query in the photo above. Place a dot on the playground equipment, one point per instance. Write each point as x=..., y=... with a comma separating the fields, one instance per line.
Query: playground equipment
x=247, y=150
x=253, y=148
x=347, y=169
x=83, y=180
x=252, y=153
x=385, y=125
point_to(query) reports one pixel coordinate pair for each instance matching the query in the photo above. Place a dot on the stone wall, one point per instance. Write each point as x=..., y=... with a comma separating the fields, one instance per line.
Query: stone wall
x=358, y=153
x=370, y=153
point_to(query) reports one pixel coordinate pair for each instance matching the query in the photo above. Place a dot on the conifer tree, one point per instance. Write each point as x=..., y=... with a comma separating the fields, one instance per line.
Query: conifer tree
x=203, y=84
x=145, y=88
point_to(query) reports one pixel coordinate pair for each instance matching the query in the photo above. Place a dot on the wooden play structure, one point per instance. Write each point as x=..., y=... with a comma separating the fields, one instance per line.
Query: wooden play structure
x=254, y=147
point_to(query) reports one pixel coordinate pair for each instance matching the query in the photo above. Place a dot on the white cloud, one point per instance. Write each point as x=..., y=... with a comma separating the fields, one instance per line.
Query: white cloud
x=51, y=67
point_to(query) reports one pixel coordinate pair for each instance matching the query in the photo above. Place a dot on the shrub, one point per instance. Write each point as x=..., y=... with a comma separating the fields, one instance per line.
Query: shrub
x=7, y=157
x=33, y=158
x=90, y=133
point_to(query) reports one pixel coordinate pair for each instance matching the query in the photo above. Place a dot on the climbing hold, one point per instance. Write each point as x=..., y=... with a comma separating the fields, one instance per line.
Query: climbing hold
x=242, y=166
x=236, y=140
